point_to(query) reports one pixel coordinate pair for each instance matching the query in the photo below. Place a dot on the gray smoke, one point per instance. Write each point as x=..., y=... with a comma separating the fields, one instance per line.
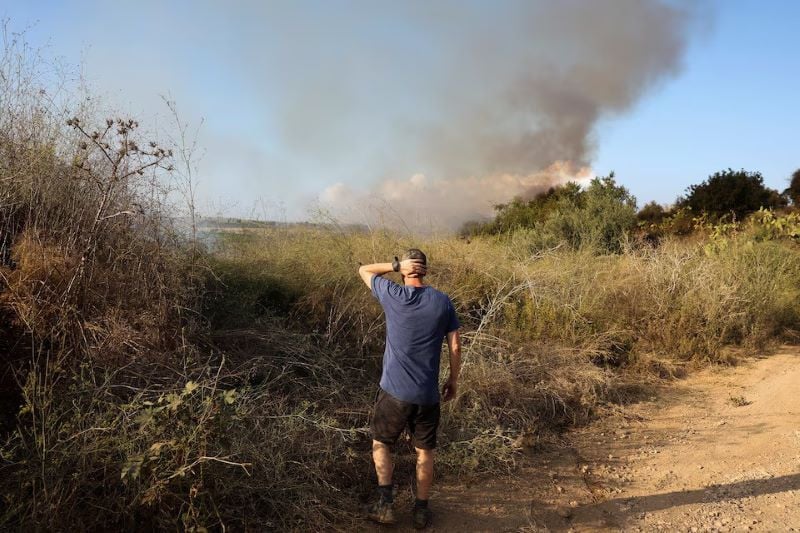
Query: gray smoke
x=514, y=93
x=434, y=110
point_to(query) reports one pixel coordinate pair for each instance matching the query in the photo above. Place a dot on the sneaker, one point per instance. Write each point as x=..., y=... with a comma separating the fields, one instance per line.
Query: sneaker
x=421, y=517
x=381, y=512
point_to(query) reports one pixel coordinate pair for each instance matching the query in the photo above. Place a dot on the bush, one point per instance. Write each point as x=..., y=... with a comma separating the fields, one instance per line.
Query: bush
x=729, y=193
x=92, y=275
x=520, y=214
x=652, y=213
x=598, y=217
x=793, y=191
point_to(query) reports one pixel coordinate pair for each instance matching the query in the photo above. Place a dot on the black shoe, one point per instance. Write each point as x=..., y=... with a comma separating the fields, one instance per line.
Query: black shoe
x=381, y=512
x=421, y=516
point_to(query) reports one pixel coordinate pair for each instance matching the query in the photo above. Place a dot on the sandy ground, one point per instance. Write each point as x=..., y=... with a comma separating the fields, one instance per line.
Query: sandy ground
x=719, y=451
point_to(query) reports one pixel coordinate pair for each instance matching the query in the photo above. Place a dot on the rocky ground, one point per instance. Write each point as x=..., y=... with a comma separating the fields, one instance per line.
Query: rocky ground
x=718, y=451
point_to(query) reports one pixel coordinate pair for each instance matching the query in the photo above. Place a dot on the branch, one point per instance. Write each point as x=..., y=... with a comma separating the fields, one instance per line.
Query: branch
x=142, y=168
x=75, y=123
x=116, y=215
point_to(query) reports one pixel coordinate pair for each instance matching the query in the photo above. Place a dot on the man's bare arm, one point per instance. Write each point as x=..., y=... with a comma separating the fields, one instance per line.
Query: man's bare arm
x=450, y=388
x=408, y=267
x=375, y=269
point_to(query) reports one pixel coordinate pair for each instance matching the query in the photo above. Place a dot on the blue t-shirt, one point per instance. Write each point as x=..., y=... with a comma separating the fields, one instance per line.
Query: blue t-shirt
x=417, y=321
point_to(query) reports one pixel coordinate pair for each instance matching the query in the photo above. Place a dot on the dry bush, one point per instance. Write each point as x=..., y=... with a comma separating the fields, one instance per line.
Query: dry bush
x=190, y=445
x=120, y=415
x=83, y=221
x=91, y=273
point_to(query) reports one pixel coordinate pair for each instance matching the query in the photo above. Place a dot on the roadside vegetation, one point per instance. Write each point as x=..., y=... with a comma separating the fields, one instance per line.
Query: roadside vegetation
x=153, y=382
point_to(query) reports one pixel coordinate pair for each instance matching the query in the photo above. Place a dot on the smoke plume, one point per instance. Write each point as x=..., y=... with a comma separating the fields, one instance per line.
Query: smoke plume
x=422, y=204
x=507, y=100
x=433, y=111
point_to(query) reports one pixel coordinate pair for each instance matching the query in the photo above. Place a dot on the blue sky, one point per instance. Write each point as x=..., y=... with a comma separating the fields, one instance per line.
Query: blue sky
x=301, y=98
x=736, y=104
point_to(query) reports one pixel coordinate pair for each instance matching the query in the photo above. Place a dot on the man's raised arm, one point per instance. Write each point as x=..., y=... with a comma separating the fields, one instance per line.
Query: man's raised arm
x=408, y=267
x=450, y=388
x=375, y=269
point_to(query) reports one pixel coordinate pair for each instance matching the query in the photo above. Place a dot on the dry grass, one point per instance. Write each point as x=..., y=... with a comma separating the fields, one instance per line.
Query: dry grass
x=549, y=338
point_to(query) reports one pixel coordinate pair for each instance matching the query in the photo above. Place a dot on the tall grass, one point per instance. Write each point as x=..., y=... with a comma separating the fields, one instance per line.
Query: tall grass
x=684, y=300
x=549, y=337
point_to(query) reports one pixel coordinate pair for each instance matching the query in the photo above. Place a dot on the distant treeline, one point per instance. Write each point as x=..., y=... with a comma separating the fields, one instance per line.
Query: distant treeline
x=215, y=223
x=605, y=214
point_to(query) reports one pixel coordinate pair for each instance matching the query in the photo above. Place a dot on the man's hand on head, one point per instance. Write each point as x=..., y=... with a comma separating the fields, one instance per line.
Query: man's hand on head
x=413, y=268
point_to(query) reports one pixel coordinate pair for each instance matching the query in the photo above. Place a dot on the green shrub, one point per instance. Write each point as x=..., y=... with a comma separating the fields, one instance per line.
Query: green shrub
x=731, y=193
x=599, y=217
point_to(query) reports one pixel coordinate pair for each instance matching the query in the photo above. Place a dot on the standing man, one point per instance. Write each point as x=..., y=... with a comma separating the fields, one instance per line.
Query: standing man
x=418, y=319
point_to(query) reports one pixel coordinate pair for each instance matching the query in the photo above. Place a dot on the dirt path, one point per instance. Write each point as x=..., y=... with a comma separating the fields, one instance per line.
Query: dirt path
x=719, y=451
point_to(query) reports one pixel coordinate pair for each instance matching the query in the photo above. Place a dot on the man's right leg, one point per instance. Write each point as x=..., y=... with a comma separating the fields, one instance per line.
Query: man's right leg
x=381, y=509
x=389, y=419
x=425, y=424
x=382, y=456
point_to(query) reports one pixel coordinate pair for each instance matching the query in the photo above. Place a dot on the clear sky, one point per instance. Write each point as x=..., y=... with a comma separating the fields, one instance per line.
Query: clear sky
x=302, y=100
x=735, y=104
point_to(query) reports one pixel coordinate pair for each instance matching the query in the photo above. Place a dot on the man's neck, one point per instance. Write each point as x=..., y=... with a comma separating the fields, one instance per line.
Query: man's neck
x=413, y=282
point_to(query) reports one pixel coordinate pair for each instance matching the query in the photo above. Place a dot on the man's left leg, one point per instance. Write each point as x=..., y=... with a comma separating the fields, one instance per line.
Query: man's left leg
x=420, y=514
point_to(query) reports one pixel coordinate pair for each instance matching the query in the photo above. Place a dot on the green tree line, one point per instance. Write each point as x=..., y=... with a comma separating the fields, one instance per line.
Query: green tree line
x=604, y=214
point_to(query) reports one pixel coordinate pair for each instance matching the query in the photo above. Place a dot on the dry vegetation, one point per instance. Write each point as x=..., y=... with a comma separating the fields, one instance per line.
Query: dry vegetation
x=149, y=384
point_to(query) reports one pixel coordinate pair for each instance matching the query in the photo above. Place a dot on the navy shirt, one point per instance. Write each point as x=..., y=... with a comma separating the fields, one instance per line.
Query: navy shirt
x=417, y=321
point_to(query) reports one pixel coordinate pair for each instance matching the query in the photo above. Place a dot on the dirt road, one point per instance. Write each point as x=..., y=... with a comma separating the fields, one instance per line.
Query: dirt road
x=719, y=451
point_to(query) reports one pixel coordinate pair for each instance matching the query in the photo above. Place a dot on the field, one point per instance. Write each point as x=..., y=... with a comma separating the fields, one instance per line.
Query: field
x=257, y=403
x=158, y=378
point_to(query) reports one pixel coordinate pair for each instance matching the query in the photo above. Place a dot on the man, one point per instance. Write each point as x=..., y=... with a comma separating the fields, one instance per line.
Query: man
x=418, y=318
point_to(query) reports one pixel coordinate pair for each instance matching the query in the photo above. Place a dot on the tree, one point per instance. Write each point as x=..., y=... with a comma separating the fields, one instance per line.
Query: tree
x=598, y=216
x=793, y=192
x=601, y=220
x=731, y=193
x=651, y=213
x=520, y=213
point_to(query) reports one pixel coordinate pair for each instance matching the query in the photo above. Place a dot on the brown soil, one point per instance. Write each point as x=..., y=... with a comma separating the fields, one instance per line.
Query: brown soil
x=719, y=451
